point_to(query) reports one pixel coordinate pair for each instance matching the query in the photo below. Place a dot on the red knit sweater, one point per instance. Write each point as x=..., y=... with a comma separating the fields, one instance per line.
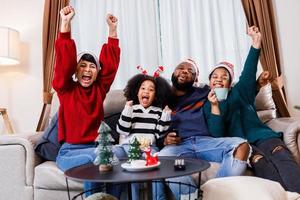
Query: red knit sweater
x=81, y=109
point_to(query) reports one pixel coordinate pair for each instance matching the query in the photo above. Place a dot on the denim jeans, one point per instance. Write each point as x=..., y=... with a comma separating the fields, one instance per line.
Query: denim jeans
x=206, y=148
x=278, y=166
x=121, y=151
x=73, y=155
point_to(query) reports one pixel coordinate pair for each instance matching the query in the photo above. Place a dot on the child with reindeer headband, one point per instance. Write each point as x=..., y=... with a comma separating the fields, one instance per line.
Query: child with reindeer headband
x=143, y=116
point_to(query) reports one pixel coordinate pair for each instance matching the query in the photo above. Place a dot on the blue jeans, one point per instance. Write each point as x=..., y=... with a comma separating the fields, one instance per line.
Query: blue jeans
x=73, y=155
x=121, y=151
x=278, y=166
x=206, y=148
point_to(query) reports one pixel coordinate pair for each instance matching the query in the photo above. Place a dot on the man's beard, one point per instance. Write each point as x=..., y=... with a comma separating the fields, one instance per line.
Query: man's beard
x=181, y=86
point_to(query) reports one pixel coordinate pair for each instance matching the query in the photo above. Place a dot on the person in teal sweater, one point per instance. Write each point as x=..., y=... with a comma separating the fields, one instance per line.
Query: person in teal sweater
x=270, y=158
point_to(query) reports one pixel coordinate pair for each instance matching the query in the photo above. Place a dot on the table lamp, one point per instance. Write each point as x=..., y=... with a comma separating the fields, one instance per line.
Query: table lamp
x=9, y=46
x=9, y=55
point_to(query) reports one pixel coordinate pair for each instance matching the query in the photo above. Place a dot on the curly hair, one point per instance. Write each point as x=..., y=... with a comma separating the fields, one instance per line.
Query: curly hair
x=162, y=89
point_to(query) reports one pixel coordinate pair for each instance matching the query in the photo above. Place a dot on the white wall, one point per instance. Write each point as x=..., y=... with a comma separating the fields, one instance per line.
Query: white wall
x=21, y=85
x=288, y=16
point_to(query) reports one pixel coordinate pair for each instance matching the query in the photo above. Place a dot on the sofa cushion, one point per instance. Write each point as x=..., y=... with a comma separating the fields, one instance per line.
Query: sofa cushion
x=48, y=146
x=114, y=102
x=48, y=176
x=243, y=187
x=265, y=106
x=211, y=173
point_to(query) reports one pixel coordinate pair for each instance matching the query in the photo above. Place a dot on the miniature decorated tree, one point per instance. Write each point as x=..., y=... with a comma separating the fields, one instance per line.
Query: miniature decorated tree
x=105, y=157
x=134, y=152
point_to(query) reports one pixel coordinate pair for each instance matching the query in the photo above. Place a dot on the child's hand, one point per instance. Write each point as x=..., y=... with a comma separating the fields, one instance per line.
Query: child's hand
x=212, y=98
x=112, y=22
x=129, y=103
x=67, y=13
x=255, y=35
x=167, y=110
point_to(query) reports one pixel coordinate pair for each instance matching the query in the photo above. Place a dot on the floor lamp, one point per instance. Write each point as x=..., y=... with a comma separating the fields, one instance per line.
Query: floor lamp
x=9, y=55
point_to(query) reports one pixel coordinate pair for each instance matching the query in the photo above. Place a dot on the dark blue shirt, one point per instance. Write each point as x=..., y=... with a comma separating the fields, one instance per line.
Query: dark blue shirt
x=188, y=117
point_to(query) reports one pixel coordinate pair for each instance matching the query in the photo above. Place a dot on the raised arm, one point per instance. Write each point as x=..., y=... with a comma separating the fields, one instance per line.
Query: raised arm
x=65, y=53
x=164, y=122
x=247, y=81
x=109, y=56
x=124, y=123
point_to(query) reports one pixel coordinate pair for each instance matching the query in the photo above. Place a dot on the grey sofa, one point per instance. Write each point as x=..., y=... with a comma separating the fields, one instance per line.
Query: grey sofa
x=24, y=176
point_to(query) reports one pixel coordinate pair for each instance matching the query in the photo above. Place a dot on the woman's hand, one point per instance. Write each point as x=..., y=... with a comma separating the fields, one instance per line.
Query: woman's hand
x=112, y=23
x=214, y=103
x=66, y=14
x=255, y=35
x=212, y=98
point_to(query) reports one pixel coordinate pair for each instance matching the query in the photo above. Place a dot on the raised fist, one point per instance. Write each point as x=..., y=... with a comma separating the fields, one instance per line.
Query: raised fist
x=167, y=110
x=67, y=13
x=129, y=103
x=255, y=35
x=111, y=20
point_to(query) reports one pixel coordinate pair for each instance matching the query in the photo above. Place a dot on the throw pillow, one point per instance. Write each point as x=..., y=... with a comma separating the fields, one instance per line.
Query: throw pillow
x=48, y=146
x=111, y=121
x=265, y=106
x=243, y=187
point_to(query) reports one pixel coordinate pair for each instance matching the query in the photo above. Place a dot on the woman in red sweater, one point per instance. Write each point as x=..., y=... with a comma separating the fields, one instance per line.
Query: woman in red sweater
x=81, y=101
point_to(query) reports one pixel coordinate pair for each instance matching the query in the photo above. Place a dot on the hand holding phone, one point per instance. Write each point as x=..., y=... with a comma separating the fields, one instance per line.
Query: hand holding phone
x=172, y=138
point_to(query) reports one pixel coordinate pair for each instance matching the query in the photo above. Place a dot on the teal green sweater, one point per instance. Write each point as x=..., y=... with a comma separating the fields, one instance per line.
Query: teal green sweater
x=238, y=114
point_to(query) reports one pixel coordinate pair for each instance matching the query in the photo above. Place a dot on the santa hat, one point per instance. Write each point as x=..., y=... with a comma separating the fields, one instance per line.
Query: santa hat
x=90, y=57
x=227, y=65
x=195, y=66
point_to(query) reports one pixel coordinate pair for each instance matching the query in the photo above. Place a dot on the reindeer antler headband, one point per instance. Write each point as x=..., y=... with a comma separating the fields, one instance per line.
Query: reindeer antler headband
x=159, y=70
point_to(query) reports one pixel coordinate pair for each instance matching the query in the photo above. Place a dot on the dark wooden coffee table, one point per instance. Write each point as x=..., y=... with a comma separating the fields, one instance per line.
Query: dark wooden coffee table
x=90, y=172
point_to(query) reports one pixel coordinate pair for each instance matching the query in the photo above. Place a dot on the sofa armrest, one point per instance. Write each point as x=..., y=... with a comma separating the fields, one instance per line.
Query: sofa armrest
x=291, y=129
x=17, y=152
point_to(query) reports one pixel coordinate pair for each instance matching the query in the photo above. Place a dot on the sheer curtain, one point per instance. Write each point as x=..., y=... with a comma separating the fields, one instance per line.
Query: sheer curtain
x=163, y=32
x=137, y=31
x=208, y=31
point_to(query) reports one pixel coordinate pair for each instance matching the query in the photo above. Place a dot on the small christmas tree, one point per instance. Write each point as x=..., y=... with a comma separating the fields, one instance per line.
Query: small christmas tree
x=105, y=157
x=134, y=152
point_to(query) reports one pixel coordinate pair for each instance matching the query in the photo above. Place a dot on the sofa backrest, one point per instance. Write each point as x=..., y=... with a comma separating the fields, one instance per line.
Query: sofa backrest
x=114, y=102
x=265, y=106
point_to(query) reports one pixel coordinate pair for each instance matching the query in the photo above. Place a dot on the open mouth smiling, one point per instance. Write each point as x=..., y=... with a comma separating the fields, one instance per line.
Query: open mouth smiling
x=86, y=78
x=218, y=85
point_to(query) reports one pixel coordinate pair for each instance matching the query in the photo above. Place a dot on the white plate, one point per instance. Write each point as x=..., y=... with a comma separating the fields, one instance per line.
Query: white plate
x=138, y=165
